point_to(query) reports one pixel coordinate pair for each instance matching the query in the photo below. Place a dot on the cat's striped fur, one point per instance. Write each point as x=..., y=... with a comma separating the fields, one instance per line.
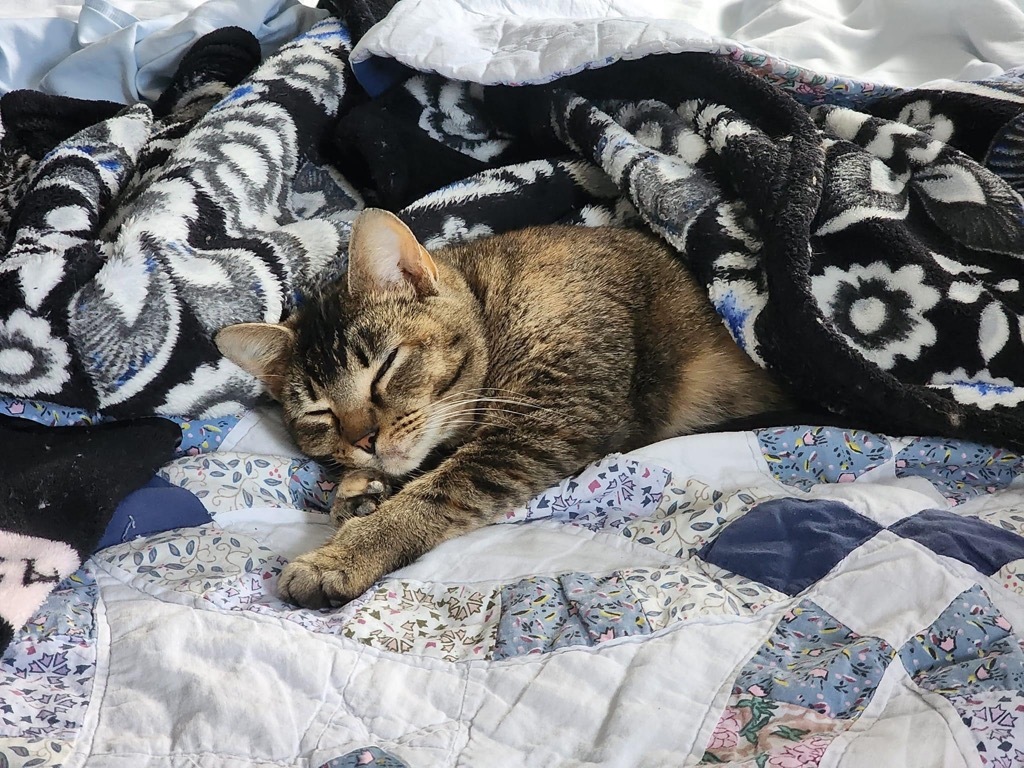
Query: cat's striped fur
x=499, y=367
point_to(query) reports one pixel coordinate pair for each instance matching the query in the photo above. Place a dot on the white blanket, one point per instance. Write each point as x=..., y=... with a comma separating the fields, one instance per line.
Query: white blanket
x=895, y=42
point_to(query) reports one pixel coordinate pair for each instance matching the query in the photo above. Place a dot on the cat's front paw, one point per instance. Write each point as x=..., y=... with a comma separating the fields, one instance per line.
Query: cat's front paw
x=330, y=576
x=360, y=492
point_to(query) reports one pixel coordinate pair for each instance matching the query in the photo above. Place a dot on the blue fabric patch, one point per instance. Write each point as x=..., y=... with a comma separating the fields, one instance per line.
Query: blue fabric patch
x=789, y=544
x=203, y=435
x=370, y=756
x=807, y=456
x=158, y=506
x=542, y=613
x=813, y=660
x=968, y=649
x=48, y=414
x=377, y=74
x=958, y=469
x=310, y=486
x=982, y=545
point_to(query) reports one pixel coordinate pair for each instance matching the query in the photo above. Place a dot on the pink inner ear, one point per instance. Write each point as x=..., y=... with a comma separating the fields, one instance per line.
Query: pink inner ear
x=384, y=254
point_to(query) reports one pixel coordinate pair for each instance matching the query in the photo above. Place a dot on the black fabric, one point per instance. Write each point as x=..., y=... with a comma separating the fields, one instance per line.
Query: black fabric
x=76, y=474
x=398, y=162
x=36, y=122
x=64, y=483
x=358, y=15
x=224, y=56
x=6, y=634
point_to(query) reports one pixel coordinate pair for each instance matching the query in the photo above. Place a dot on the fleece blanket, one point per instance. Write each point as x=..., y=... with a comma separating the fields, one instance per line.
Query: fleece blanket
x=868, y=255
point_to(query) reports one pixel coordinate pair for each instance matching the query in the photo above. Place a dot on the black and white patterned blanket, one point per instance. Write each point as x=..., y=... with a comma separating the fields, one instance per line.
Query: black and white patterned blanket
x=870, y=256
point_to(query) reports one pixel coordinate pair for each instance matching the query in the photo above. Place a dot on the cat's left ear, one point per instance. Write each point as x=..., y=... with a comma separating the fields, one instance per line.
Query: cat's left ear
x=384, y=254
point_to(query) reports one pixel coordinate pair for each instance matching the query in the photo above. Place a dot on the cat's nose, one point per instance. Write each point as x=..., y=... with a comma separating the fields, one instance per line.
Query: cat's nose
x=367, y=442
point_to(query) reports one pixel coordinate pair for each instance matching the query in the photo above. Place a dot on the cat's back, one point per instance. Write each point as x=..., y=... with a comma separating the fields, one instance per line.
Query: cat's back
x=571, y=268
x=610, y=315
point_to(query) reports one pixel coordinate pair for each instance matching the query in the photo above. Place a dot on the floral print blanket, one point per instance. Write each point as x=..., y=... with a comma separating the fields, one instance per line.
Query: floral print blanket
x=790, y=597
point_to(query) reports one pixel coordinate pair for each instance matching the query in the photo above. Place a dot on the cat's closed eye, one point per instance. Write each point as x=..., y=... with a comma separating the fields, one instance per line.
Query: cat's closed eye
x=386, y=366
x=378, y=380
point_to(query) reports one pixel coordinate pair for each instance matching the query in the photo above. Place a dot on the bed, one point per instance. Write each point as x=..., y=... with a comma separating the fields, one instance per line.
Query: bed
x=846, y=592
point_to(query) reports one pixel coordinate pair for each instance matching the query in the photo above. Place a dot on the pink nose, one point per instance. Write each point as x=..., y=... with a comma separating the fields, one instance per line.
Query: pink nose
x=367, y=442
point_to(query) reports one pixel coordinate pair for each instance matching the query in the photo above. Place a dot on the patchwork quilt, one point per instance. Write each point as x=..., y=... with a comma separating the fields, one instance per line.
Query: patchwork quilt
x=790, y=596
x=798, y=596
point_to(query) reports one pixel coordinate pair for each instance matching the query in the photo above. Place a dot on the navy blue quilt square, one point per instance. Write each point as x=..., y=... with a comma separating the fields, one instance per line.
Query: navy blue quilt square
x=154, y=508
x=789, y=544
x=968, y=539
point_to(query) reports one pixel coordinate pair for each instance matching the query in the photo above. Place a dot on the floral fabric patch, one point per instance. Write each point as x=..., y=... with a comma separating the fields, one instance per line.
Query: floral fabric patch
x=227, y=481
x=813, y=660
x=1011, y=576
x=969, y=648
x=450, y=623
x=670, y=595
x=807, y=456
x=807, y=86
x=996, y=721
x=959, y=470
x=221, y=570
x=763, y=733
x=40, y=753
x=605, y=495
x=48, y=414
x=690, y=514
x=310, y=486
x=194, y=561
x=374, y=757
x=542, y=613
x=806, y=685
x=204, y=435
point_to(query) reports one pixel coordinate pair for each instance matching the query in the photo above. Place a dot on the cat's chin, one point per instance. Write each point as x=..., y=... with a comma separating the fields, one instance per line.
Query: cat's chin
x=399, y=465
x=404, y=463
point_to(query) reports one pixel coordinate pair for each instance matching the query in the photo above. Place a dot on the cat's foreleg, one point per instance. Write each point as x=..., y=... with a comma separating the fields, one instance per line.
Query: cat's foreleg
x=480, y=482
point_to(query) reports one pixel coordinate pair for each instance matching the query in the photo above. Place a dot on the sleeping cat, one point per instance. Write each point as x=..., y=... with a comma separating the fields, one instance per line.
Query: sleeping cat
x=481, y=375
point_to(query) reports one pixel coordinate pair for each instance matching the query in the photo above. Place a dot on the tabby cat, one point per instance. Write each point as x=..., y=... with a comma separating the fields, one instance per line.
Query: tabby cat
x=481, y=375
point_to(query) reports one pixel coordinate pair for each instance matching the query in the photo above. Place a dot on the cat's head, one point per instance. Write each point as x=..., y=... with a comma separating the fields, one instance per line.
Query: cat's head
x=382, y=367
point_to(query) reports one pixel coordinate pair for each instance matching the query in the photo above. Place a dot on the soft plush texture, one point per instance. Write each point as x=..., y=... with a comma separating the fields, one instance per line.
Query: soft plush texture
x=136, y=239
x=731, y=170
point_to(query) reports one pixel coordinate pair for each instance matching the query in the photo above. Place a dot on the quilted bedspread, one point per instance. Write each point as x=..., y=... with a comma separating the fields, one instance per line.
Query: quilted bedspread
x=785, y=597
x=788, y=597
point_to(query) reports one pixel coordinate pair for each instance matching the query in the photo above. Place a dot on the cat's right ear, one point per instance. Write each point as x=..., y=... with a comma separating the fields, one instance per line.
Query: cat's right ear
x=261, y=349
x=384, y=254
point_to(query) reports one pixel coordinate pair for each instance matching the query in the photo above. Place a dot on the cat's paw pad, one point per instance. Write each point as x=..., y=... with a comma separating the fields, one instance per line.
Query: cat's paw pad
x=359, y=494
x=312, y=581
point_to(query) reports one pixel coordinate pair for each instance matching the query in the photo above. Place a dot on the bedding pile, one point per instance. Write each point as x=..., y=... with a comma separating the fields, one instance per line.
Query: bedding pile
x=793, y=596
